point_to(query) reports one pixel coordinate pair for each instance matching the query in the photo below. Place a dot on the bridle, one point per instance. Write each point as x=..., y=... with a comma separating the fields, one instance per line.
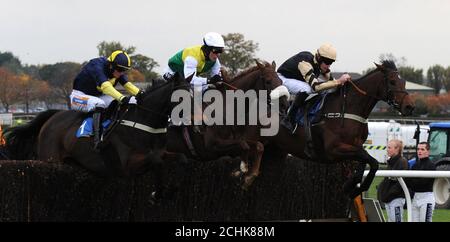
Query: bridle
x=389, y=96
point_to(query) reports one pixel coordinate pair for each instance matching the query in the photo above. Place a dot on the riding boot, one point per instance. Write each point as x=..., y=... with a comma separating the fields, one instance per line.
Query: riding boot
x=97, y=120
x=299, y=100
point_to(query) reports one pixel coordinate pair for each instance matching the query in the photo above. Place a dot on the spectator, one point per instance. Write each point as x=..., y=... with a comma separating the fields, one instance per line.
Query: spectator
x=423, y=200
x=391, y=192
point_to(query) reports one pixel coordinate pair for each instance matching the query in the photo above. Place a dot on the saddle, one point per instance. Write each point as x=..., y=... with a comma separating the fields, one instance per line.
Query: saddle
x=109, y=117
x=310, y=110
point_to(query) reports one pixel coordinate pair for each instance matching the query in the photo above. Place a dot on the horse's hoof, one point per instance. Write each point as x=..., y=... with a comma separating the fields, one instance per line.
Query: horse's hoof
x=153, y=200
x=244, y=167
x=248, y=181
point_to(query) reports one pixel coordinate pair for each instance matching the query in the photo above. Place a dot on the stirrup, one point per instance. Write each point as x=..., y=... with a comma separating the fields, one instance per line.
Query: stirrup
x=98, y=144
x=290, y=125
x=295, y=126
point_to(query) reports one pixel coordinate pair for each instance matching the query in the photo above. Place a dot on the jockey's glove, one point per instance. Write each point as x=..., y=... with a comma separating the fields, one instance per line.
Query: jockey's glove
x=124, y=100
x=139, y=97
x=215, y=79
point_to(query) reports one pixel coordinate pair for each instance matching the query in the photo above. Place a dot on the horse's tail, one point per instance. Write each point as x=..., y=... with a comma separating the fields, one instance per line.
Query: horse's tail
x=21, y=140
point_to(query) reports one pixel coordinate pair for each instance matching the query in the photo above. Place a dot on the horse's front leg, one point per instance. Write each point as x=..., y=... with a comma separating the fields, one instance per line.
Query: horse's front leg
x=258, y=148
x=373, y=167
x=352, y=153
x=232, y=147
x=140, y=163
x=352, y=185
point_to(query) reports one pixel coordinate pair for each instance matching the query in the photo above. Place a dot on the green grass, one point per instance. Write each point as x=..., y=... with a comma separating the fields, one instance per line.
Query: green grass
x=439, y=215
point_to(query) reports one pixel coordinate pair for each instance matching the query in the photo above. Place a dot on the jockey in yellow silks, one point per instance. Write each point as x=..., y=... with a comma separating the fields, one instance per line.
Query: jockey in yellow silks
x=93, y=88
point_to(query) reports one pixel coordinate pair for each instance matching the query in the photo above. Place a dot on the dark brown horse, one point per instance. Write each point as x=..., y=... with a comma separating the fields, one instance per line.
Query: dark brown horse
x=135, y=144
x=337, y=139
x=232, y=140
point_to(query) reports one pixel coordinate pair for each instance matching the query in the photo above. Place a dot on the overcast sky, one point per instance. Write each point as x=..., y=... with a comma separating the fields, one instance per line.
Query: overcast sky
x=50, y=31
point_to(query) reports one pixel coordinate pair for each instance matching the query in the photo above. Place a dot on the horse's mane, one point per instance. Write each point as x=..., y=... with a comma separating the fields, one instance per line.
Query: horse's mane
x=390, y=64
x=250, y=69
x=156, y=85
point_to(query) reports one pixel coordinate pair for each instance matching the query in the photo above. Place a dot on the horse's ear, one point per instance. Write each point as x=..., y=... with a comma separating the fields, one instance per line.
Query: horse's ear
x=378, y=65
x=274, y=65
x=258, y=63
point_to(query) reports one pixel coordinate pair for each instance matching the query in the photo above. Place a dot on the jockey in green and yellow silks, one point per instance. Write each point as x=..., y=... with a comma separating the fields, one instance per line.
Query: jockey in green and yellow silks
x=195, y=60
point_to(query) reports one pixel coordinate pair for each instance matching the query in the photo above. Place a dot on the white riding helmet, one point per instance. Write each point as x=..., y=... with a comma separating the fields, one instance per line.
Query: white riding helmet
x=214, y=39
x=327, y=51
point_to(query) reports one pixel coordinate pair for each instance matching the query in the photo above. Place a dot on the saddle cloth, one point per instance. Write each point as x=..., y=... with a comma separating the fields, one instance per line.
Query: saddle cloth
x=316, y=106
x=86, y=128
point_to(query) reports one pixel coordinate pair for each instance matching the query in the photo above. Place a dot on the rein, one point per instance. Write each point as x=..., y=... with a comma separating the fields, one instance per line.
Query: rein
x=364, y=93
x=230, y=86
x=388, y=92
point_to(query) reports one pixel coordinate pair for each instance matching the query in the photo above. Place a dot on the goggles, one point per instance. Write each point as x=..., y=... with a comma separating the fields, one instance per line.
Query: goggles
x=217, y=50
x=121, y=68
x=327, y=61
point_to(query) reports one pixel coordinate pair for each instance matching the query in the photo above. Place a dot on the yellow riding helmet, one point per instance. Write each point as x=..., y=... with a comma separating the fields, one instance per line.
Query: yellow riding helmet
x=120, y=60
x=328, y=51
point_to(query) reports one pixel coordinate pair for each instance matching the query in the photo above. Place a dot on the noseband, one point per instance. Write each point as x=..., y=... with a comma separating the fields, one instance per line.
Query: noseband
x=390, y=97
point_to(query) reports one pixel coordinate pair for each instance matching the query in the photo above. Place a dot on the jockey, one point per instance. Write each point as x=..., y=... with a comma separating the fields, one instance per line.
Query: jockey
x=93, y=87
x=195, y=60
x=300, y=74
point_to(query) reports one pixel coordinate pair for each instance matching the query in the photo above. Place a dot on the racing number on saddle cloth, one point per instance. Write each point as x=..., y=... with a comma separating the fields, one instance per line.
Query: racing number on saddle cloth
x=86, y=128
